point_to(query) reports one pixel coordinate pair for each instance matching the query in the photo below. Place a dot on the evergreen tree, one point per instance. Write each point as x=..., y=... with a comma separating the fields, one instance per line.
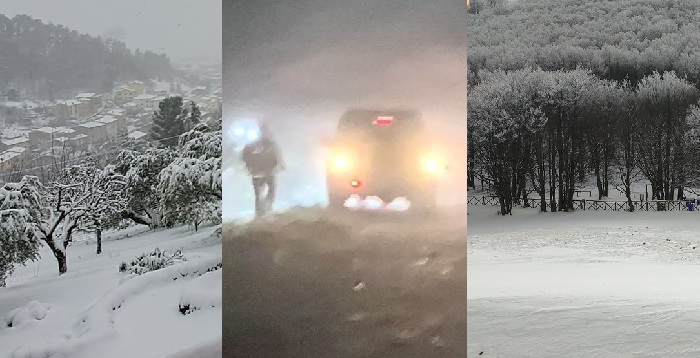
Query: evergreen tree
x=195, y=116
x=169, y=121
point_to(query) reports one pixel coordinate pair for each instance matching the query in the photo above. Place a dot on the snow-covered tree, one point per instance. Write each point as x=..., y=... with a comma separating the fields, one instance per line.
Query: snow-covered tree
x=504, y=115
x=18, y=244
x=49, y=213
x=663, y=102
x=190, y=187
x=141, y=168
x=106, y=191
x=194, y=116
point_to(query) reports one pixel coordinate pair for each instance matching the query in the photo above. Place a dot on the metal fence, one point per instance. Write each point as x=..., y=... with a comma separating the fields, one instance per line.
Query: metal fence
x=596, y=205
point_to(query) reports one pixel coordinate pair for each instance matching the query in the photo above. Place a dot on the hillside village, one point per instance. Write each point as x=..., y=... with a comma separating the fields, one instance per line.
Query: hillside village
x=89, y=121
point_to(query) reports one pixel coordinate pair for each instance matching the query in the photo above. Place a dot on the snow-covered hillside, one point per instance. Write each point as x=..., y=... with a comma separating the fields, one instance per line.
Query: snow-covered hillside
x=96, y=311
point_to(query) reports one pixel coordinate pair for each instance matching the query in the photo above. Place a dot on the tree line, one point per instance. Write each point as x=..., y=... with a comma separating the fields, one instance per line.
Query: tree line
x=532, y=130
x=618, y=40
x=47, y=61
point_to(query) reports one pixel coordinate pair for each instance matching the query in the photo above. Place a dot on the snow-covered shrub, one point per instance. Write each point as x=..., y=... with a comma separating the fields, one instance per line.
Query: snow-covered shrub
x=201, y=293
x=152, y=261
x=32, y=311
x=125, y=224
x=217, y=233
x=19, y=208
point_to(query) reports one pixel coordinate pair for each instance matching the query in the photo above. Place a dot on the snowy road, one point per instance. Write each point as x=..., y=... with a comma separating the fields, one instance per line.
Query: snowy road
x=583, y=284
x=313, y=284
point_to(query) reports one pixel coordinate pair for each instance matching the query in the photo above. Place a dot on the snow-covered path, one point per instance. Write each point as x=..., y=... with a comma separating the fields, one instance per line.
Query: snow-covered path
x=79, y=322
x=584, y=284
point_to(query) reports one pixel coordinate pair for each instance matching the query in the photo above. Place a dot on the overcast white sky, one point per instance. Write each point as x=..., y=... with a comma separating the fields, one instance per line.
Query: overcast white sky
x=186, y=30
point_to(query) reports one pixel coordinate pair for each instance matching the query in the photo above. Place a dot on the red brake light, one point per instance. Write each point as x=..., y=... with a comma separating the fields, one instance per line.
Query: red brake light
x=383, y=121
x=355, y=183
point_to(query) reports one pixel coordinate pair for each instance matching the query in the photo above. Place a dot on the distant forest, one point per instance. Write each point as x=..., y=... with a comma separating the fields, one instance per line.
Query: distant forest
x=615, y=39
x=47, y=61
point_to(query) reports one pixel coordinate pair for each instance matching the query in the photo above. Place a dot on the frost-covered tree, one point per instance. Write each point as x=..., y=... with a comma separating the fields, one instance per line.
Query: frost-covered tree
x=663, y=103
x=618, y=40
x=190, y=187
x=503, y=117
x=691, y=141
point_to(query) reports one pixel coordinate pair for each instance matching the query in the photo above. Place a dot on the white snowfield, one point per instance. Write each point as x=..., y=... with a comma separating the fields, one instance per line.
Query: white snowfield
x=583, y=284
x=96, y=311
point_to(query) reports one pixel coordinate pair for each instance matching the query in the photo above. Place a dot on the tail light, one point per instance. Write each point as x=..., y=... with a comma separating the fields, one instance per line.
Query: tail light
x=383, y=121
x=355, y=183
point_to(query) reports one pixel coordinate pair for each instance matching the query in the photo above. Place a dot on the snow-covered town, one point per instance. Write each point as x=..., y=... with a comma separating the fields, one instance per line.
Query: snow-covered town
x=75, y=127
x=110, y=185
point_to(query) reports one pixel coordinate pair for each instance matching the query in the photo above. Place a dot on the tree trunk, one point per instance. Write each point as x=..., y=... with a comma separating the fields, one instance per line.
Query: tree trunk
x=552, y=181
x=59, y=253
x=560, y=150
x=628, y=170
x=606, y=166
x=598, y=181
x=98, y=235
x=471, y=180
x=155, y=218
x=541, y=174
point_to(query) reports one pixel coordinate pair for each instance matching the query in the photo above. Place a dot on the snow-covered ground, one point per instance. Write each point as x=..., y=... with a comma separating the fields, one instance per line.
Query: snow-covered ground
x=95, y=311
x=583, y=284
x=316, y=283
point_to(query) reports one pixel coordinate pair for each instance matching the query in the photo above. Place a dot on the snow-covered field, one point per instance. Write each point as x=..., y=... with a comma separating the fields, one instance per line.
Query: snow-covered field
x=583, y=284
x=95, y=311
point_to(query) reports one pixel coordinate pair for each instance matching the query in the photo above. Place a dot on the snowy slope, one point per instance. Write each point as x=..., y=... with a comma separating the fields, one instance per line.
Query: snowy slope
x=96, y=311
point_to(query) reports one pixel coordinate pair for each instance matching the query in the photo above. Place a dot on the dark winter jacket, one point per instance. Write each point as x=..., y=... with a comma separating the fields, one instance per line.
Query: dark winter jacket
x=261, y=157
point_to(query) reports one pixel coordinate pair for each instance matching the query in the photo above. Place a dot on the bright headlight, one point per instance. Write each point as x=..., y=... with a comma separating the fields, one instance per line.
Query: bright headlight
x=341, y=163
x=253, y=134
x=432, y=165
x=243, y=132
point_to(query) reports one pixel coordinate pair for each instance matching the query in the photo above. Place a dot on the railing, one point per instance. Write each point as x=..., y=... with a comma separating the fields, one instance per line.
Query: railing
x=596, y=205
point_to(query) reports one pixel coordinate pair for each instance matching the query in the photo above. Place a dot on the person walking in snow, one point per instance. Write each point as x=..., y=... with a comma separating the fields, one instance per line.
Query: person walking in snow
x=263, y=160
